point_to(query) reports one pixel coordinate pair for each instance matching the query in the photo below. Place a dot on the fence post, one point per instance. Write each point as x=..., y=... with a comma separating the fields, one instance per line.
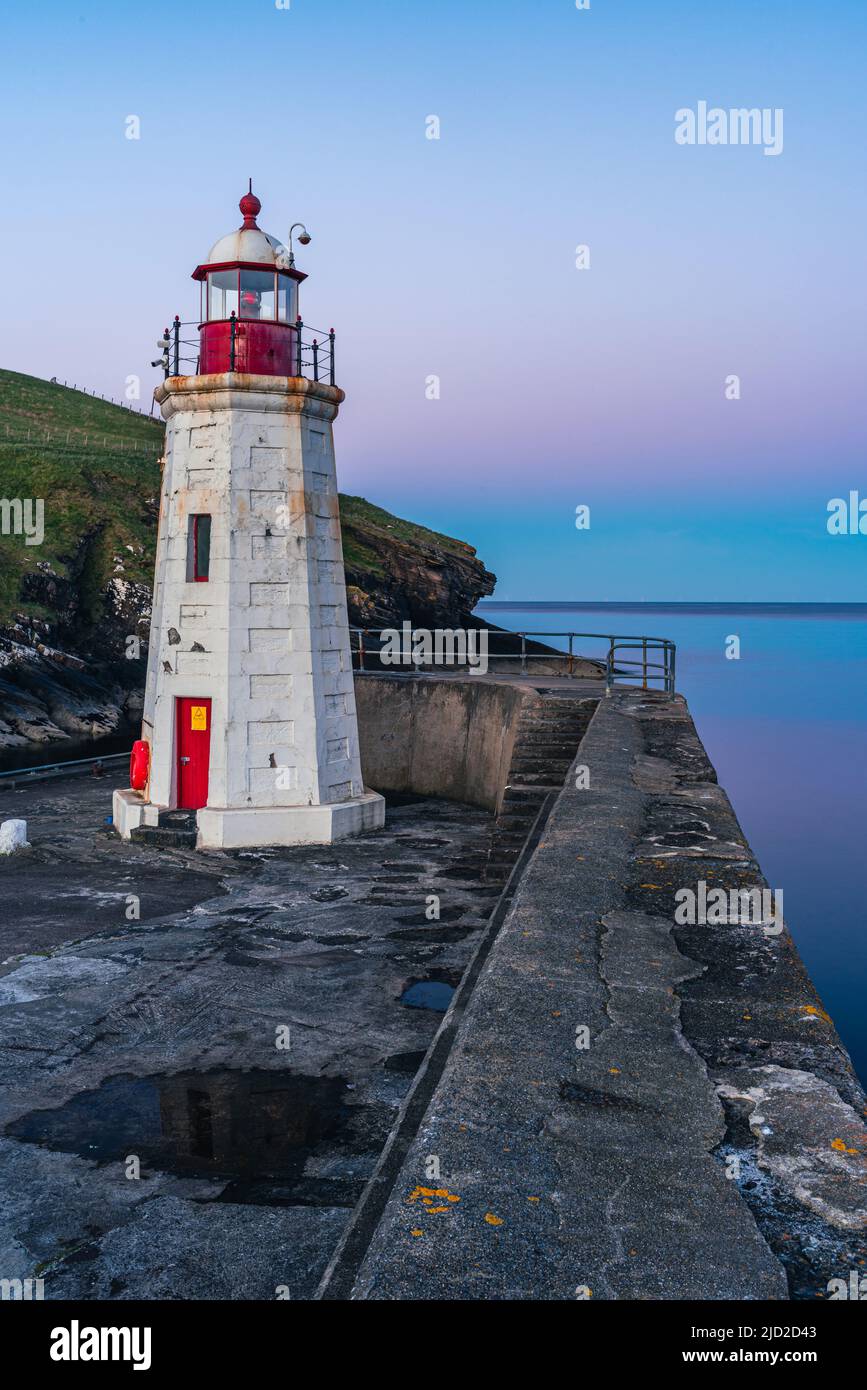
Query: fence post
x=315, y=360
x=233, y=323
x=298, y=327
x=177, y=329
x=331, y=354
x=523, y=652
x=361, y=649
x=644, y=663
x=571, y=639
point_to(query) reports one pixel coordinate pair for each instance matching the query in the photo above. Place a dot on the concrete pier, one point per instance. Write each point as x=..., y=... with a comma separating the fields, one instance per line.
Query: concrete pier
x=708, y=1141
x=614, y=1106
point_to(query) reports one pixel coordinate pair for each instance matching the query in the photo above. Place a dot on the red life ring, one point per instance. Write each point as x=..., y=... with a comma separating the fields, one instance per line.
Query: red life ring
x=139, y=765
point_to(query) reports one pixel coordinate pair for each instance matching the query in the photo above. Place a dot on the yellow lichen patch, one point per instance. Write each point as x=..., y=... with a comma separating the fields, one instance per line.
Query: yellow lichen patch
x=816, y=1013
x=533, y=1199
x=615, y=1071
x=493, y=1220
x=840, y=1146
x=427, y=1194
x=555, y=1013
x=651, y=885
x=416, y=1232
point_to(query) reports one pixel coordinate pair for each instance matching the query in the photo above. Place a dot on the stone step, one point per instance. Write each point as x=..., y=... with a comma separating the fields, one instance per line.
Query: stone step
x=548, y=779
x=550, y=721
x=161, y=837
x=538, y=737
x=177, y=819
x=549, y=769
x=542, y=752
x=519, y=796
x=509, y=839
x=520, y=823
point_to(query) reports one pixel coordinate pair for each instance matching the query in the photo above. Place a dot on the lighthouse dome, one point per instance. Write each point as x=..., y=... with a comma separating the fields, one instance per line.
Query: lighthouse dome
x=249, y=243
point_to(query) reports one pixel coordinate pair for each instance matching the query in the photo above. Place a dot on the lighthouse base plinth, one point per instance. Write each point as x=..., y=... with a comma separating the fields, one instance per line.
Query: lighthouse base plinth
x=245, y=827
x=248, y=826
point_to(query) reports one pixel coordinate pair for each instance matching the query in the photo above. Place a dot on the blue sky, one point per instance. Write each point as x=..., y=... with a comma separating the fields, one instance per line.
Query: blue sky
x=456, y=257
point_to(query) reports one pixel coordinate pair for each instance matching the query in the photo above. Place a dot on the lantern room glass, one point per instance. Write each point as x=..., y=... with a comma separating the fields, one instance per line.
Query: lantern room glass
x=222, y=294
x=266, y=295
x=287, y=299
x=257, y=294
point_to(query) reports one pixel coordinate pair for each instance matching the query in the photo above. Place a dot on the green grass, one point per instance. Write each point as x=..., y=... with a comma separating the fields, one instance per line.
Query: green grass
x=360, y=518
x=94, y=464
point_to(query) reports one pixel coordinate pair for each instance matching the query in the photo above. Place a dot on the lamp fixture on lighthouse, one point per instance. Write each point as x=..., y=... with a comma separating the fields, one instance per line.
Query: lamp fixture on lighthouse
x=249, y=300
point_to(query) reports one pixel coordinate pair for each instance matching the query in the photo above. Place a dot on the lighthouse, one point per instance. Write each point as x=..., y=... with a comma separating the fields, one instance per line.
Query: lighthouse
x=249, y=733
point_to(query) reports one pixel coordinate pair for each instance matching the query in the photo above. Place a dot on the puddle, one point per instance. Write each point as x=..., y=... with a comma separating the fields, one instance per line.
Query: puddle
x=245, y=1127
x=428, y=994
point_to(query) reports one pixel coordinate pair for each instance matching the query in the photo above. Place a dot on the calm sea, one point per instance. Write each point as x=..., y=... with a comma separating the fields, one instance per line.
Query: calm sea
x=785, y=726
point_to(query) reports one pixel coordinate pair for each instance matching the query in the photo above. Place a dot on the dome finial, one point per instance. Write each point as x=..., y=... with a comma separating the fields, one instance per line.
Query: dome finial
x=250, y=206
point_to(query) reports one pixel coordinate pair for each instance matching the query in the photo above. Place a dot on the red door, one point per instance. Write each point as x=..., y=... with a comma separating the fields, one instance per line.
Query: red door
x=194, y=752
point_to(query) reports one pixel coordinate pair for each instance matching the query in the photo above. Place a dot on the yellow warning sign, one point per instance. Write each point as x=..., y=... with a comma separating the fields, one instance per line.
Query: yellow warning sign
x=198, y=716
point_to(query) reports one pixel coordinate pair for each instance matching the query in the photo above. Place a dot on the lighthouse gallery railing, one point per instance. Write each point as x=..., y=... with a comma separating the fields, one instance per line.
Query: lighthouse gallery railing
x=313, y=349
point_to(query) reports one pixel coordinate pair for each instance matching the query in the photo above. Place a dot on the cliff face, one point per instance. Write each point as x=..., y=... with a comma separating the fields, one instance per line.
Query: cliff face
x=396, y=571
x=75, y=607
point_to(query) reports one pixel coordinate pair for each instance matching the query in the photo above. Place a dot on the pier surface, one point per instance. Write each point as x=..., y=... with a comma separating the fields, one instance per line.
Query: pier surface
x=614, y=1106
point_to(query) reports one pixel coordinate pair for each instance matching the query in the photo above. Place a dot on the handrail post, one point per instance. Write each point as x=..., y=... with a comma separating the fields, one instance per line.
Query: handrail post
x=298, y=327
x=524, y=653
x=570, y=666
x=644, y=663
x=331, y=354
x=361, y=649
x=177, y=328
x=315, y=360
x=233, y=325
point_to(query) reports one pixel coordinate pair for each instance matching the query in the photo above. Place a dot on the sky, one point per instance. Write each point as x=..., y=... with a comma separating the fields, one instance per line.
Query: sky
x=455, y=258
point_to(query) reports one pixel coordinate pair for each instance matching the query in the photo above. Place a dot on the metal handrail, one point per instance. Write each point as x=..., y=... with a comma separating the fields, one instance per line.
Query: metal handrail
x=617, y=666
x=312, y=355
x=43, y=769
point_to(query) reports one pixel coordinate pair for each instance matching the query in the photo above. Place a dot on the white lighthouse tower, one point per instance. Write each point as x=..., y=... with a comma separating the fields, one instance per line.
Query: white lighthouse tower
x=249, y=734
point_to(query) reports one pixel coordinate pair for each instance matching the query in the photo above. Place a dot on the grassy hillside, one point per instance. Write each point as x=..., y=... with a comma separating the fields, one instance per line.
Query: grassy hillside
x=94, y=464
x=361, y=522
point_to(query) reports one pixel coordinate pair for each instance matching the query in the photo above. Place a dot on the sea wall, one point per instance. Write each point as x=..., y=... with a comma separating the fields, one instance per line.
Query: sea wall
x=617, y=1105
x=451, y=738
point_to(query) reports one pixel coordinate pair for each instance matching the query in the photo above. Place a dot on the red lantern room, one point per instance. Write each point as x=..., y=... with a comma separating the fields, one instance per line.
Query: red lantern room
x=249, y=303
